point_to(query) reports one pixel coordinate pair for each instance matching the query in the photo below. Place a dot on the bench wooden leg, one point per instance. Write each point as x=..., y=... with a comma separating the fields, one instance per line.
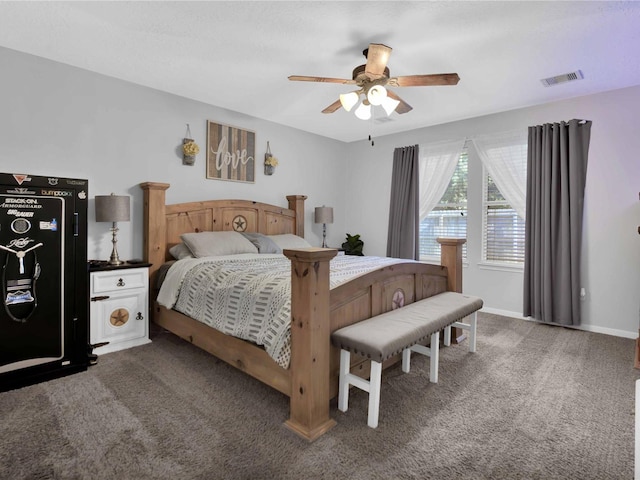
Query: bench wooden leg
x=433, y=352
x=473, y=332
x=343, y=381
x=374, y=393
x=406, y=360
x=471, y=327
x=434, y=357
x=372, y=386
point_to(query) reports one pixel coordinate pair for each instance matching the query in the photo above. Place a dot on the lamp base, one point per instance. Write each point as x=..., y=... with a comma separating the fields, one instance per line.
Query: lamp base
x=114, y=260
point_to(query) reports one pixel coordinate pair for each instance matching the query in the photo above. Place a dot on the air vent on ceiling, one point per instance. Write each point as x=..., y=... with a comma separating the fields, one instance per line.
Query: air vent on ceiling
x=567, y=77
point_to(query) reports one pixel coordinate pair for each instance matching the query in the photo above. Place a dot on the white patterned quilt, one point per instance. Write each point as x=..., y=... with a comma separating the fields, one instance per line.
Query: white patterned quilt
x=249, y=295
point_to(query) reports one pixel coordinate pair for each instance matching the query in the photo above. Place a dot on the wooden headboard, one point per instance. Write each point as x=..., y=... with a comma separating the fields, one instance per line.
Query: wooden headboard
x=163, y=224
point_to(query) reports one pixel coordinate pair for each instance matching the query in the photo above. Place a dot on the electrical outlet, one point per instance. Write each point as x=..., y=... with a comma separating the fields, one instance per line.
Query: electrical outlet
x=583, y=293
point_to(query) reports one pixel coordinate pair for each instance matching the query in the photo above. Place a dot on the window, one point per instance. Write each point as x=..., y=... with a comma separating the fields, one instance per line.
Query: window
x=503, y=228
x=449, y=217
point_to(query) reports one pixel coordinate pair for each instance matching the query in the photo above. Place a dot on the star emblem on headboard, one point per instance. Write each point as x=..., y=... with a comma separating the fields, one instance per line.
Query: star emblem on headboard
x=398, y=299
x=239, y=223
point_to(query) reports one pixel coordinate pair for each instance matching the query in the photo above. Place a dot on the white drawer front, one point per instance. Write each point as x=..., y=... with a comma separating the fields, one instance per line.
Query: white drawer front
x=115, y=280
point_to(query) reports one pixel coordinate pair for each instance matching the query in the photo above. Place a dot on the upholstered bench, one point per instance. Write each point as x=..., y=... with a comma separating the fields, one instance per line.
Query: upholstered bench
x=401, y=330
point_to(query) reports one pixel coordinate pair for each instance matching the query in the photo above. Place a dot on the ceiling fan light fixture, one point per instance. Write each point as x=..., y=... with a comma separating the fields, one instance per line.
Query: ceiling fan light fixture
x=363, y=112
x=376, y=94
x=390, y=104
x=371, y=79
x=348, y=100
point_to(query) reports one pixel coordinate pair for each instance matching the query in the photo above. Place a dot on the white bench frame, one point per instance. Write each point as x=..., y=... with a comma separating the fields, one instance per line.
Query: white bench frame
x=372, y=386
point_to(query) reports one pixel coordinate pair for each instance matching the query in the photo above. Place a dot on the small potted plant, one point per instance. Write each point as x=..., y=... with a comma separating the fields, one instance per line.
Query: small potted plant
x=353, y=245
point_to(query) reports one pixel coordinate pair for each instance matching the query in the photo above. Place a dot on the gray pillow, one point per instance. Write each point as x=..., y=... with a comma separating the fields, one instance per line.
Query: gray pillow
x=263, y=243
x=212, y=244
x=180, y=251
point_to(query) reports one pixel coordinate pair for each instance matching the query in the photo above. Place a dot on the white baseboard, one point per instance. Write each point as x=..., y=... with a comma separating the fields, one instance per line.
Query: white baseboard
x=609, y=331
x=587, y=328
x=503, y=313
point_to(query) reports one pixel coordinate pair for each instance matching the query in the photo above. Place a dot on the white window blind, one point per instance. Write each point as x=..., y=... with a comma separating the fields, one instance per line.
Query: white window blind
x=503, y=229
x=449, y=217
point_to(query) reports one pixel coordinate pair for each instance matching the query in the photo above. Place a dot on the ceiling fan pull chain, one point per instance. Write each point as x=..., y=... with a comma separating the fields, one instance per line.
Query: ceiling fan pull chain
x=373, y=117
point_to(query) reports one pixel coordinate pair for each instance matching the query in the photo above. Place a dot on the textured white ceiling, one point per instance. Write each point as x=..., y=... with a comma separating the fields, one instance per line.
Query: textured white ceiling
x=238, y=55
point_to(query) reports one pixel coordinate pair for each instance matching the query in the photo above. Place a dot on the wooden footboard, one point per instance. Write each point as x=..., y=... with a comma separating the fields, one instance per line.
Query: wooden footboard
x=316, y=311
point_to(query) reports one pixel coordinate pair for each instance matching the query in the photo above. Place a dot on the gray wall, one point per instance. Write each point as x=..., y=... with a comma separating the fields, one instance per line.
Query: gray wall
x=63, y=121
x=611, y=248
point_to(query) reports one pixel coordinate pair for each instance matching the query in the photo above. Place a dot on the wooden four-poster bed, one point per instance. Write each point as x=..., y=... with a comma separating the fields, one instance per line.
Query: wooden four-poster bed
x=316, y=310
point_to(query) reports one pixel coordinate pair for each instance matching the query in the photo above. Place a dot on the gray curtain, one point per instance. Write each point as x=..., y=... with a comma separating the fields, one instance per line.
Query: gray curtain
x=403, y=235
x=556, y=175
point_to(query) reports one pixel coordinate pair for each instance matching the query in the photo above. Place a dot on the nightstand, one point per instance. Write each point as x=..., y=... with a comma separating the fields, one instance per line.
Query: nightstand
x=119, y=306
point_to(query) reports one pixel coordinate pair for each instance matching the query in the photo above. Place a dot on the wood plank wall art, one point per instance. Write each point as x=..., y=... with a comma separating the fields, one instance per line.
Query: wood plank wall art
x=231, y=153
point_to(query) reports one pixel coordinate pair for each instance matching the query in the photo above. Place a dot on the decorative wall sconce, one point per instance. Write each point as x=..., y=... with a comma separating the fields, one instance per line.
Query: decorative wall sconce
x=270, y=162
x=189, y=148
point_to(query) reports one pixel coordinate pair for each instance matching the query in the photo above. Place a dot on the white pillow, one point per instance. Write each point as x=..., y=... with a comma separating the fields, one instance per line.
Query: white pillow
x=180, y=251
x=289, y=240
x=211, y=244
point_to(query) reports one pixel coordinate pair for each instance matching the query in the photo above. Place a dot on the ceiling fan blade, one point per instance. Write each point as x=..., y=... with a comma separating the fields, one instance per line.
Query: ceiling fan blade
x=377, y=58
x=333, y=107
x=302, y=78
x=425, y=80
x=403, y=107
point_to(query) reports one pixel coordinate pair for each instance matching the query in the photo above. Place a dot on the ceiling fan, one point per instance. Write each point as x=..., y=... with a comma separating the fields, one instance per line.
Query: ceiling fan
x=372, y=78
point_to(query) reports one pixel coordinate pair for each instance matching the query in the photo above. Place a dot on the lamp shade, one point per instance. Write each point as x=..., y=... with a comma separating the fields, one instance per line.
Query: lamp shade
x=363, y=112
x=348, y=100
x=113, y=208
x=389, y=104
x=376, y=94
x=324, y=215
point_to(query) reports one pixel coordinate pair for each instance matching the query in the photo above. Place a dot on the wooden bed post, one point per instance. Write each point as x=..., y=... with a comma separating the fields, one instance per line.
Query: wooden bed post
x=155, y=227
x=296, y=202
x=310, y=342
x=451, y=257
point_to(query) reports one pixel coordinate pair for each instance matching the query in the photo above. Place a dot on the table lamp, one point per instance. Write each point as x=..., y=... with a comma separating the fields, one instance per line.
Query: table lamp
x=113, y=208
x=324, y=215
